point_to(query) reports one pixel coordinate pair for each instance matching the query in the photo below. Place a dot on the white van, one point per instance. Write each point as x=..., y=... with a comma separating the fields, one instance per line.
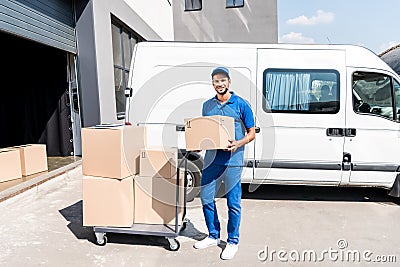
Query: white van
x=325, y=114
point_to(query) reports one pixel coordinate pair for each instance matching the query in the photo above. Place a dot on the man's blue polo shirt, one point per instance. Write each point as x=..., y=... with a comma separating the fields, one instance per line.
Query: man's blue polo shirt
x=240, y=110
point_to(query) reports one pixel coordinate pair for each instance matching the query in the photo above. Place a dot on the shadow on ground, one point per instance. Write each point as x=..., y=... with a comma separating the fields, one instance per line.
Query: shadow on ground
x=73, y=214
x=319, y=193
x=314, y=193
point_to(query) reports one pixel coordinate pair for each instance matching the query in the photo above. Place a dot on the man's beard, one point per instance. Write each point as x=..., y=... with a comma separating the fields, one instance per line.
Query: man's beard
x=224, y=92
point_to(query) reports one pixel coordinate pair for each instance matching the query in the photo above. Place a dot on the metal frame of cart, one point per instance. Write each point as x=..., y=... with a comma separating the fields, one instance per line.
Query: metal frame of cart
x=167, y=231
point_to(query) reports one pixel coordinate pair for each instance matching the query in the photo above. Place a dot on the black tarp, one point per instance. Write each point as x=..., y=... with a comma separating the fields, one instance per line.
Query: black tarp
x=392, y=58
x=34, y=96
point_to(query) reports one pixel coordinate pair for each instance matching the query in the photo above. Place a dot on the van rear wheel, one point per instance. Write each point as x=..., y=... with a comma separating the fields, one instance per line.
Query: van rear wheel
x=193, y=181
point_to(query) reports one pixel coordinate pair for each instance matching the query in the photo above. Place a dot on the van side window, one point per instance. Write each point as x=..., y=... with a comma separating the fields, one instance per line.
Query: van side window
x=301, y=91
x=372, y=94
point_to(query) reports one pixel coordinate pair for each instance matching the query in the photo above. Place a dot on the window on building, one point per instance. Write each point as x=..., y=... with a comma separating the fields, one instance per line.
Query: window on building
x=191, y=5
x=234, y=3
x=373, y=94
x=123, y=41
x=301, y=91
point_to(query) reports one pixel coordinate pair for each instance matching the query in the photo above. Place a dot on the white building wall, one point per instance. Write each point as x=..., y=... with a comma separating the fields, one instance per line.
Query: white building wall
x=95, y=53
x=157, y=14
x=255, y=22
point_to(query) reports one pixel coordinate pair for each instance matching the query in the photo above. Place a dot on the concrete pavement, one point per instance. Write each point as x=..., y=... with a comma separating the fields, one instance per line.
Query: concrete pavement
x=43, y=226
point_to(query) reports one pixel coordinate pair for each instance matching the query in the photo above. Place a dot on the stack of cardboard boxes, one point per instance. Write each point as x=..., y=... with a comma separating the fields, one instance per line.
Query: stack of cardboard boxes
x=155, y=187
x=19, y=161
x=110, y=159
x=123, y=181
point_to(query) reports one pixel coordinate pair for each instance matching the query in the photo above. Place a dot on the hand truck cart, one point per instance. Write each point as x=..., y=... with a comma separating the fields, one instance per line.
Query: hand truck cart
x=167, y=231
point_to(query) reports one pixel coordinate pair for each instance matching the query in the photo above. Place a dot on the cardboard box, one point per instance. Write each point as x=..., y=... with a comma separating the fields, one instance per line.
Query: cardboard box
x=158, y=162
x=112, y=152
x=155, y=200
x=33, y=158
x=10, y=165
x=210, y=132
x=107, y=201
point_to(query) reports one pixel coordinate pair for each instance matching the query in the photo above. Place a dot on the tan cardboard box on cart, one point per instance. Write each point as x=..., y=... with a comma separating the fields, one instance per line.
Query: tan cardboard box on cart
x=158, y=162
x=209, y=132
x=155, y=200
x=33, y=158
x=112, y=152
x=10, y=165
x=107, y=201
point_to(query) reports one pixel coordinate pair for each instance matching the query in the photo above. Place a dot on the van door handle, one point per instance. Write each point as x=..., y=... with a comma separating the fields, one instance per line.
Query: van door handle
x=350, y=132
x=338, y=132
x=258, y=129
x=128, y=92
x=180, y=128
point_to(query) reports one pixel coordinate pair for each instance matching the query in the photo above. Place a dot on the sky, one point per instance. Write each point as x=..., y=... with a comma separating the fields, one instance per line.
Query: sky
x=370, y=23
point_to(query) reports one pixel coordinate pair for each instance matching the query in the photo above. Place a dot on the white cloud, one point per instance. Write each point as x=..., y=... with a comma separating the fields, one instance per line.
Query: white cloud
x=321, y=17
x=385, y=46
x=296, y=37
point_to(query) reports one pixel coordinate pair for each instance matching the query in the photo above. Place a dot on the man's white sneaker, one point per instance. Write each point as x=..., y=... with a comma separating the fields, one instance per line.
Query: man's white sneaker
x=229, y=251
x=206, y=242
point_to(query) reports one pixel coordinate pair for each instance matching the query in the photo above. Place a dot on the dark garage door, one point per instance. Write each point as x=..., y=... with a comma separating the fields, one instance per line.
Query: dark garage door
x=34, y=103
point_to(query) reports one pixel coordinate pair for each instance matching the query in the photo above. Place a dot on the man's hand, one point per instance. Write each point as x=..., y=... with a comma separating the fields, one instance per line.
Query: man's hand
x=233, y=146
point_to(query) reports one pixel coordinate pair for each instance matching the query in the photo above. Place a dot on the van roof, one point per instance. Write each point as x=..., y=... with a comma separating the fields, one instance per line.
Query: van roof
x=252, y=45
x=356, y=56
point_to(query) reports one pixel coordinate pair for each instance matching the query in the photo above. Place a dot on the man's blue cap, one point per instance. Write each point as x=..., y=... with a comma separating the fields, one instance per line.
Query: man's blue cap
x=220, y=70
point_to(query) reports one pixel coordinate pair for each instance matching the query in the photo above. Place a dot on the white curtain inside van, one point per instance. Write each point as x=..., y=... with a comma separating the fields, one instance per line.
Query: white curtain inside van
x=288, y=90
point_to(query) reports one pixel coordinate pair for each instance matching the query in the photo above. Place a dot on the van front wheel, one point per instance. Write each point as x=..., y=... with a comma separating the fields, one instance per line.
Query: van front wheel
x=192, y=181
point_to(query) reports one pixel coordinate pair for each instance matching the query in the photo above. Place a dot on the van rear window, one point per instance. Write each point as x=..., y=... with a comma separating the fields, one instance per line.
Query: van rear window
x=301, y=91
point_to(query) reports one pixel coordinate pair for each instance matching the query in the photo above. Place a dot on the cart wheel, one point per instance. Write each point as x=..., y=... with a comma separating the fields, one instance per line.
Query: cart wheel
x=101, y=239
x=174, y=244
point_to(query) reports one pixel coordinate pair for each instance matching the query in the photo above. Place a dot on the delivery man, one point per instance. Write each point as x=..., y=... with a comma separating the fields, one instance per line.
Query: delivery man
x=225, y=165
